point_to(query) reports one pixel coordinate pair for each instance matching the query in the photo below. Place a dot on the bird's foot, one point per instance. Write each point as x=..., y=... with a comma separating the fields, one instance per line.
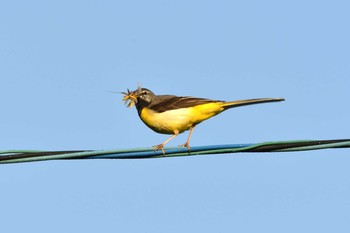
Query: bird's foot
x=187, y=145
x=159, y=147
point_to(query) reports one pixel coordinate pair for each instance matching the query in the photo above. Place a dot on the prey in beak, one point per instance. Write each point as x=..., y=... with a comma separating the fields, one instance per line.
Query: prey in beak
x=130, y=97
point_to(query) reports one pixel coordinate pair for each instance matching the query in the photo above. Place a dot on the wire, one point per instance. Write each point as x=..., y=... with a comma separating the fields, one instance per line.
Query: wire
x=20, y=156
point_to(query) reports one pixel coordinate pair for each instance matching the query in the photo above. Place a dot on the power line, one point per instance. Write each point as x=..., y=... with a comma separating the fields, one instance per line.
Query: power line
x=20, y=156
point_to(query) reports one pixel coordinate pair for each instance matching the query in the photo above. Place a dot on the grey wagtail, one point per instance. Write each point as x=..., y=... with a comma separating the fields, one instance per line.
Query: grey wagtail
x=170, y=114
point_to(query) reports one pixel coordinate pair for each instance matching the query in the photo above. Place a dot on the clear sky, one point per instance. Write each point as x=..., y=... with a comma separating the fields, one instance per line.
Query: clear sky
x=60, y=60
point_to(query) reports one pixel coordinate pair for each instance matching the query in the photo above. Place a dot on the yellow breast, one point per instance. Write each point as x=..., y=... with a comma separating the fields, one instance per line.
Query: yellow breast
x=179, y=119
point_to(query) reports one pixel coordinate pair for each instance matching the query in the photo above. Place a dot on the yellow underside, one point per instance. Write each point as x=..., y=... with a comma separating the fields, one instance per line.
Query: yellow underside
x=181, y=119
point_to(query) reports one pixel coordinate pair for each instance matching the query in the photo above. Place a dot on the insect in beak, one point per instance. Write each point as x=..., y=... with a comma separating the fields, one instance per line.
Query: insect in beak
x=130, y=98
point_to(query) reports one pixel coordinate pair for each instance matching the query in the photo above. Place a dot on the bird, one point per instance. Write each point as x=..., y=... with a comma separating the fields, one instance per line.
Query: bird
x=171, y=114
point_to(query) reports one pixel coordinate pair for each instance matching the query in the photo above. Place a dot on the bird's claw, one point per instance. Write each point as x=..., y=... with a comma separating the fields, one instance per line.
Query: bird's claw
x=159, y=147
x=187, y=145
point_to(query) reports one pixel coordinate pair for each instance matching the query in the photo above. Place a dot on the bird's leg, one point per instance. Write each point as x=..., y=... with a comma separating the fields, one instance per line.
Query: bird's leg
x=161, y=146
x=187, y=143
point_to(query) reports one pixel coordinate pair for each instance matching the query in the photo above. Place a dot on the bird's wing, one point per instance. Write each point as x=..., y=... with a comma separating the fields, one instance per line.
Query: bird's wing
x=164, y=103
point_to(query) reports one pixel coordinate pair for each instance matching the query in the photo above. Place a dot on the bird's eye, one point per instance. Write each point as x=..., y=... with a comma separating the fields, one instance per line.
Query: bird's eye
x=144, y=93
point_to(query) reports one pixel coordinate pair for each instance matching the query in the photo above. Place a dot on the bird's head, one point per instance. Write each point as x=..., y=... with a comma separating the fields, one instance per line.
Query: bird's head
x=131, y=98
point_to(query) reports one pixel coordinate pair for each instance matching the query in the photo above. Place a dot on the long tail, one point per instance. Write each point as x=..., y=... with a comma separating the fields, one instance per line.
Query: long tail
x=238, y=103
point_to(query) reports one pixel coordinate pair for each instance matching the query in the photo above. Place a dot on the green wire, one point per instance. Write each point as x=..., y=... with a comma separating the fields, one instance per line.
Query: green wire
x=20, y=156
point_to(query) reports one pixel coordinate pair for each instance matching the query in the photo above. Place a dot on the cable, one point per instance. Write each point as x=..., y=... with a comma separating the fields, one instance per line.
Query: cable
x=20, y=156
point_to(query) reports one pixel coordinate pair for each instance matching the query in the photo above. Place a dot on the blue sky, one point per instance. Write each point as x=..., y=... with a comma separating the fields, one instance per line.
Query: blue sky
x=60, y=60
